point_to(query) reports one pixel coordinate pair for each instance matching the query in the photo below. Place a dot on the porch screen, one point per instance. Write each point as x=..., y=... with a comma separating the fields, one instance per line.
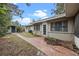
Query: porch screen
x=37, y=27
x=60, y=26
x=65, y=26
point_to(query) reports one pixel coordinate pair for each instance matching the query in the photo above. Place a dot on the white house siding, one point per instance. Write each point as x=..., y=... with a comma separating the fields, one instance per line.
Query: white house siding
x=32, y=27
x=25, y=29
x=61, y=36
x=76, y=41
x=29, y=28
x=71, y=25
x=9, y=30
x=37, y=32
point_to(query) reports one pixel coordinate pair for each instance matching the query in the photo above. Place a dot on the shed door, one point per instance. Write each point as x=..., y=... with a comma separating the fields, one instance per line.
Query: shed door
x=13, y=29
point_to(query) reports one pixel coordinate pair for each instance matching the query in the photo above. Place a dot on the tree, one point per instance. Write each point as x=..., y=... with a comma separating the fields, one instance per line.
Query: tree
x=28, y=4
x=17, y=23
x=6, y=13
x=59, y=9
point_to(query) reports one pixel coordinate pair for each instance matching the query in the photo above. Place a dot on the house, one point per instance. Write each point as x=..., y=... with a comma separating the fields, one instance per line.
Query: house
x=29, y=27
x=12, y=28
x=63, y=27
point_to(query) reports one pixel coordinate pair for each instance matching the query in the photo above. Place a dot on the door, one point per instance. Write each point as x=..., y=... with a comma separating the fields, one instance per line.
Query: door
x=13, y=28
x=44, y=29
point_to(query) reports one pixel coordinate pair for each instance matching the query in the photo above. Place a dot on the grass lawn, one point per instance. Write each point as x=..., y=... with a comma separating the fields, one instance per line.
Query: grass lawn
x=29, y=35
x=14, y=46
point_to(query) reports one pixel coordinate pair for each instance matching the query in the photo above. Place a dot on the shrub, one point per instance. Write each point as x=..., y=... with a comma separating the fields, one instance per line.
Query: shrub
x=53, y=41
x=3, y=31
x=30, y=31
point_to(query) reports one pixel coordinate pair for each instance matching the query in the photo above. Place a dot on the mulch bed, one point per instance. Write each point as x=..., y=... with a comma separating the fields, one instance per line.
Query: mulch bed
x=65, y=44
x=57, y=42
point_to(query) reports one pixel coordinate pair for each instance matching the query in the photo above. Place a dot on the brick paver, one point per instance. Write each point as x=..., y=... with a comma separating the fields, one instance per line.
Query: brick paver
x=49, y=50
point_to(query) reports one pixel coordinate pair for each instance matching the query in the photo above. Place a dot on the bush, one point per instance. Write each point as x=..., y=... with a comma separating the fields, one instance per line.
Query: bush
x=50, y=39
x=3, y=31
x=37, y=35
x=30, y=31
x=20, y=29
x=53, y=41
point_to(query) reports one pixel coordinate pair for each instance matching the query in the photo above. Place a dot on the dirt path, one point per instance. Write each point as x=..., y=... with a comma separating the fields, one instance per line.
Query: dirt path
x=49, y=50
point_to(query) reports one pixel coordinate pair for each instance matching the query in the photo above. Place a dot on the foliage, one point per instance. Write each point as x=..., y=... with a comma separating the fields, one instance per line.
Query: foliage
x=30, y=31
x=59, y=9
x=6, y=13
x=28, y=35
x=20, y=29
x=28, y=4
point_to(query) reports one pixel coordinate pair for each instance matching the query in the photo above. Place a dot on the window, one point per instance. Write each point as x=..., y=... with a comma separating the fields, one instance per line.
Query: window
x=60, y=26
x=65, y=26
x=37, y=27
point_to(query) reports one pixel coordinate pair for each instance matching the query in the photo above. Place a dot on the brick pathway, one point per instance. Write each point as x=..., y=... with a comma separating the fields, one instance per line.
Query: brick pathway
x=49, y=50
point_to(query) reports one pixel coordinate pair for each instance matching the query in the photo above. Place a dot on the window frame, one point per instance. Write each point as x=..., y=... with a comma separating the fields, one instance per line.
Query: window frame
x=63, y=26
x=37, y=27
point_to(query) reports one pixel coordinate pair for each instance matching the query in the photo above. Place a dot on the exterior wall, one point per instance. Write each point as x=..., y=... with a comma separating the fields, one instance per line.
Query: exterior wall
x=71, y=26
x=66, y=36
x=29, y=28
x=9, y=30
x=26, y=30
x=61, y=36
x=37, y=32
x=76, y=36
x=76, y=41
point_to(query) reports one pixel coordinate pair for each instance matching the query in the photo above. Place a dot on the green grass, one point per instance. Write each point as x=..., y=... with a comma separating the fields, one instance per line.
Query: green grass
x=29, y=35
x=13, y=45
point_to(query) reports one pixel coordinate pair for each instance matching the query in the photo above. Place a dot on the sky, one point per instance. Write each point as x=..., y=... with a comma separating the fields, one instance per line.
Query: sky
x=35, y=11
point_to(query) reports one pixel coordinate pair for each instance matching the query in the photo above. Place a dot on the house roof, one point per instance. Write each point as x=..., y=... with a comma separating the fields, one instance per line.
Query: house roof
x=50, y=18
x=29, y=25
x=70, y=10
